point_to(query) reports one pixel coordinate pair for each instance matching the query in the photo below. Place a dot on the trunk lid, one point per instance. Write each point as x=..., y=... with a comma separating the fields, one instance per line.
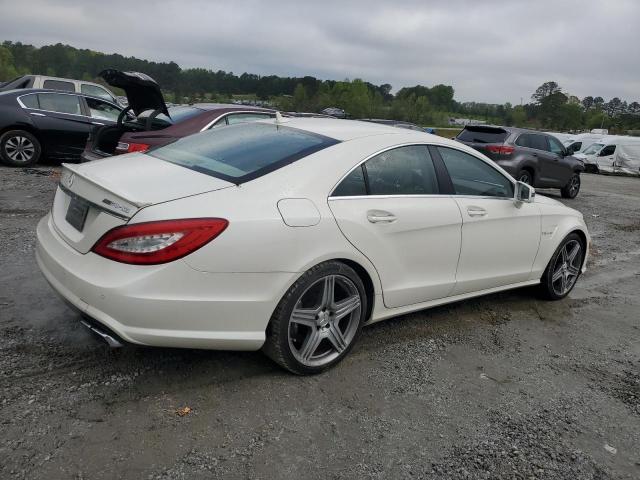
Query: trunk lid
x=143, y=93
x=95, y=197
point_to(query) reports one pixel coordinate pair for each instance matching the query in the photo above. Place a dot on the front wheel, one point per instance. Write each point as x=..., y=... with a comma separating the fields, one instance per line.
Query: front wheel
x=525, y=177
x=318, y=320
x=564, y=268
x=19, y=148
x=571, y=189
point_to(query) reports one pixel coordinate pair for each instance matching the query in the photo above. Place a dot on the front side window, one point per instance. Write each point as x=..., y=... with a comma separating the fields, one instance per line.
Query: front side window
x=472, y=176
x=608, y=150
x=246, y=117
x=102, y=110
x=555, y=146
x=55, y=102
x=95, y=91
x=243, y=152
x=59, y=85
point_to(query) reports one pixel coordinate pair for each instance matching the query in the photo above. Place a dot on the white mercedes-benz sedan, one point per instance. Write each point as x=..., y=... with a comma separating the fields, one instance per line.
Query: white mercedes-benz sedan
x=291, y=234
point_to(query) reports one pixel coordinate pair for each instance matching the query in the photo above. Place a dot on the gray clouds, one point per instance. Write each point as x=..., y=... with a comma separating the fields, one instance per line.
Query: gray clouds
x=491, y=50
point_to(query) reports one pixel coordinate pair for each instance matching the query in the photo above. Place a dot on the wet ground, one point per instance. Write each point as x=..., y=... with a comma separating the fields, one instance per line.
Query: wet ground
x=506, y=386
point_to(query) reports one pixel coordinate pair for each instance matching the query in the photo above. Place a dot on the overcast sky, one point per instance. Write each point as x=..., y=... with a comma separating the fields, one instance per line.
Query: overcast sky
x=488, y=50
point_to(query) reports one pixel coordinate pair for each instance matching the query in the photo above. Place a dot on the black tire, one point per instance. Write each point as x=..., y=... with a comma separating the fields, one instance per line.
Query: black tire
x=549, y=286
x=282, y=332
x=525, y=176
x=19, y=148
x=572, y=188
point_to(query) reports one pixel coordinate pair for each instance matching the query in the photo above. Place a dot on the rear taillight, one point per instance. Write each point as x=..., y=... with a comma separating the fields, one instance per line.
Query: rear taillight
x=152, y=243
x=500, y=149
x=124, y=147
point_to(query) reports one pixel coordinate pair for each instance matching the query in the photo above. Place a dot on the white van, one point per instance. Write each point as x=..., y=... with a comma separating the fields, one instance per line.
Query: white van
x=613, y=154
x=580, y=142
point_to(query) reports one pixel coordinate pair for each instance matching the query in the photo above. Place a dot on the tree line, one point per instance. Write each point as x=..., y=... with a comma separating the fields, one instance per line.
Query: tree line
x=549, y=108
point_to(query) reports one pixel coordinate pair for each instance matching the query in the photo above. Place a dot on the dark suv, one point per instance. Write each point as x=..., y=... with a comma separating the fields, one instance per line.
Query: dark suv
x=529, y=156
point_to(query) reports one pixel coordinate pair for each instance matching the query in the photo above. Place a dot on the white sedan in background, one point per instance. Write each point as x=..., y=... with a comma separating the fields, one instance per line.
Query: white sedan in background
x=290, y=235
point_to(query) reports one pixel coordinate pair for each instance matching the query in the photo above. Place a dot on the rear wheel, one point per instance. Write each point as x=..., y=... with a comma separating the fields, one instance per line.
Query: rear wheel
x=19, y=148
x=564, y=268
x=318, y=320
x=571, y=189
x=525, y=177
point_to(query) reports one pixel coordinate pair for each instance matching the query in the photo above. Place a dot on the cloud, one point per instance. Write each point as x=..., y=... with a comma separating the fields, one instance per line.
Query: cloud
x=490, y=50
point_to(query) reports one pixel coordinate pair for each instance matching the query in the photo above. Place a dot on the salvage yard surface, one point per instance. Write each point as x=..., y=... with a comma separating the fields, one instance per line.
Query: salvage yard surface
x=504, y=386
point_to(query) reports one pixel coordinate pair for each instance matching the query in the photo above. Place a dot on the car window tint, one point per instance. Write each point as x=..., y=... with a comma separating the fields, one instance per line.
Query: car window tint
x=539, y=142
x=95, y=91
x=352, y=185
x=30, y=101
x=402, y=171
x=245, y=117
x=472, y=176
x=54, y=102
x=480, y=134
x=608, y=150
x=102, y=110
x=523, y=140
x=555, y=145
x=59, y=85
x=244, y=151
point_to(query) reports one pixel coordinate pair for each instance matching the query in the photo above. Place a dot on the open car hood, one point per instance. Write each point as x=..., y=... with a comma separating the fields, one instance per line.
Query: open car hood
x=143, y=93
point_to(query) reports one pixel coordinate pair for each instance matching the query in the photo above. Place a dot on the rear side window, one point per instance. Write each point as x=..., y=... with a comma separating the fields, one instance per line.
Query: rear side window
x=539, y=142
x=30, y=101
x=483, y=135
x=59, y=85
x=472, y=176
x=243, y=152
x=402, y=171
x=54, y=102
x=405, y=170
x=95, y=91
x=102, y=110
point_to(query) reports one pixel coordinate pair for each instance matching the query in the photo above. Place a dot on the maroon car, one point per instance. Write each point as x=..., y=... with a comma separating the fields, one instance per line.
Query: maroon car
x=148, y=122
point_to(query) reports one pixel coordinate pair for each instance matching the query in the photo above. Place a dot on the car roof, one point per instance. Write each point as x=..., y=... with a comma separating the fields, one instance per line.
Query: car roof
x=18, y=92
x=224, y=106
x=344, y=130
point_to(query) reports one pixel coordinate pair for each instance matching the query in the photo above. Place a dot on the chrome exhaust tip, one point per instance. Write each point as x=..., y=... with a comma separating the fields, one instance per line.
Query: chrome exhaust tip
x=111, y=341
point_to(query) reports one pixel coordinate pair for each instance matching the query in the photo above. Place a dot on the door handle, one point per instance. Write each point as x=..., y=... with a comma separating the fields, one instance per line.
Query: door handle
x=476, y=211
x=380, y=216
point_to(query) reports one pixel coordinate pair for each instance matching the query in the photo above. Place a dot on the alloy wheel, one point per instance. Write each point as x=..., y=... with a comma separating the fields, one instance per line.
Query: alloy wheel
x=574, y=185
x=19, y=149
x=567, y=267
x=324, y=320
x=525, y=177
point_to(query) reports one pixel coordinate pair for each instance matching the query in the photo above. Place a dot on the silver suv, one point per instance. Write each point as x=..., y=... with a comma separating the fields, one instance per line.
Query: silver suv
x=62, y=84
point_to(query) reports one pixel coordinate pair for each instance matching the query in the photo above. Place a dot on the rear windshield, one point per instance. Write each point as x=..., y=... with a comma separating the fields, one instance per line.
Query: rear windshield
x=239, y=153
x=483, y=135
x=176, y=115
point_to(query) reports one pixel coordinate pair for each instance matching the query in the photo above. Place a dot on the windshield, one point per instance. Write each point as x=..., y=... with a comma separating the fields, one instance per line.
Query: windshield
x=593, y=148
x=241, y=152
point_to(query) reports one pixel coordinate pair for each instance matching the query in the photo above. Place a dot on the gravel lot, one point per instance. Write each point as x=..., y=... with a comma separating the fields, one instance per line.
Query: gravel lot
x=507, y=386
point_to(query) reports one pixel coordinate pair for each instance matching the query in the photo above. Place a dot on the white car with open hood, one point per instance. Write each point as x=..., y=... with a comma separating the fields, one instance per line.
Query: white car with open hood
x=290, y=235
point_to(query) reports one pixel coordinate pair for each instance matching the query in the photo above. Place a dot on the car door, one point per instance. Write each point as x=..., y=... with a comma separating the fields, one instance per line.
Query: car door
x=392, y=210
x=551, y=173
x=62, y=125
x=561, y=165
x=606, y=157
x=101, y=112
x=500, y=236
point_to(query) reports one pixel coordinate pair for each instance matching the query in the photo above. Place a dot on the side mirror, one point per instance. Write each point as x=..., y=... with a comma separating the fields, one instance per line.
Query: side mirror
x=524, y=193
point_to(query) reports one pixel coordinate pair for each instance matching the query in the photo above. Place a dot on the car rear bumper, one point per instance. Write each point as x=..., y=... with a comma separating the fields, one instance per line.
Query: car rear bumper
x=170, y=305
